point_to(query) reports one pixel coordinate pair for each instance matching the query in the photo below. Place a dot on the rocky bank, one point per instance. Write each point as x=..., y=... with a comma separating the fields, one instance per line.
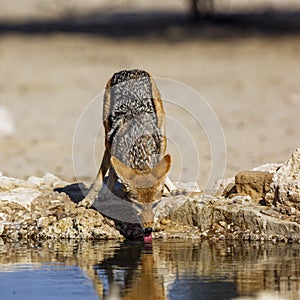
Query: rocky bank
x=260, y=204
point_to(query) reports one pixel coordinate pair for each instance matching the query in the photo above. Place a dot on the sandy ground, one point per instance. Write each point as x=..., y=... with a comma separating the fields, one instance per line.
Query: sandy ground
x=249, y=75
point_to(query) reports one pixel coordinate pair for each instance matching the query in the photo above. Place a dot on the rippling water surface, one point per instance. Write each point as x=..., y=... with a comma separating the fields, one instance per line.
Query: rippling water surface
x=167, y=269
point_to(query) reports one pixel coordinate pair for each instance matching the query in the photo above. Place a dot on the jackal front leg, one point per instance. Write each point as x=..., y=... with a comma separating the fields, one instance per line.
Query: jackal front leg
x=97, y=184
x=112, y=178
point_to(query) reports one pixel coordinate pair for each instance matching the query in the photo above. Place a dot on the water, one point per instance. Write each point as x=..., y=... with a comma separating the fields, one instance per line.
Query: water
x=167, y=269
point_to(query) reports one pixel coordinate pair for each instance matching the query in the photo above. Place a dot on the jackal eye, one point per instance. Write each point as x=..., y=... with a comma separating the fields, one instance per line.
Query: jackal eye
x=133, y=197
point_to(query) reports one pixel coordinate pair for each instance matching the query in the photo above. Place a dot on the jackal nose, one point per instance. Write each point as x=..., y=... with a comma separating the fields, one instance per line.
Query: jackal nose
x=147, y=230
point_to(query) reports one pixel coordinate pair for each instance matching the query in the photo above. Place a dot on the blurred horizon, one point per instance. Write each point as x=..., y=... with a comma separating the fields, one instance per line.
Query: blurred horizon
x=158, y=19
x=53, y=9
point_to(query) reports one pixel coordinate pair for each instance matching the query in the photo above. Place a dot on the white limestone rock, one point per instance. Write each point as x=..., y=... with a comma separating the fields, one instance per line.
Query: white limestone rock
x=285, y=188
x=22, y=196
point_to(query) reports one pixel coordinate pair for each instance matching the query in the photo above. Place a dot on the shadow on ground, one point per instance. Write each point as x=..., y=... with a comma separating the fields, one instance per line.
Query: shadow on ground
x=164, y=25
x=118, y=209
x=76, y=191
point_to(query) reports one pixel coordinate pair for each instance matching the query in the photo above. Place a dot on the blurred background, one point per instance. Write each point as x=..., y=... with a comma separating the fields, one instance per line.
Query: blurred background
x=242, y=56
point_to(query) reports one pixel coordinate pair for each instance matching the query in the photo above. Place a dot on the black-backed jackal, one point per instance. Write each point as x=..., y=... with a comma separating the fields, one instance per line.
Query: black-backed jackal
x=135, y=142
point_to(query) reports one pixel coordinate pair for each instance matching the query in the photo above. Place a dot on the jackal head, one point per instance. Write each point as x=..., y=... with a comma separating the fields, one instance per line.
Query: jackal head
x=145, y=186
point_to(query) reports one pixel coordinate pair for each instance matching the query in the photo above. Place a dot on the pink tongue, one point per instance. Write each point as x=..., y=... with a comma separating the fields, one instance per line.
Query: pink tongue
x=148, y=238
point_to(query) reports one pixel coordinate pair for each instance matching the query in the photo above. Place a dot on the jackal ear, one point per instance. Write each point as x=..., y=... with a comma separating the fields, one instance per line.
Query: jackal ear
x=125, y=173
x=161, y=170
